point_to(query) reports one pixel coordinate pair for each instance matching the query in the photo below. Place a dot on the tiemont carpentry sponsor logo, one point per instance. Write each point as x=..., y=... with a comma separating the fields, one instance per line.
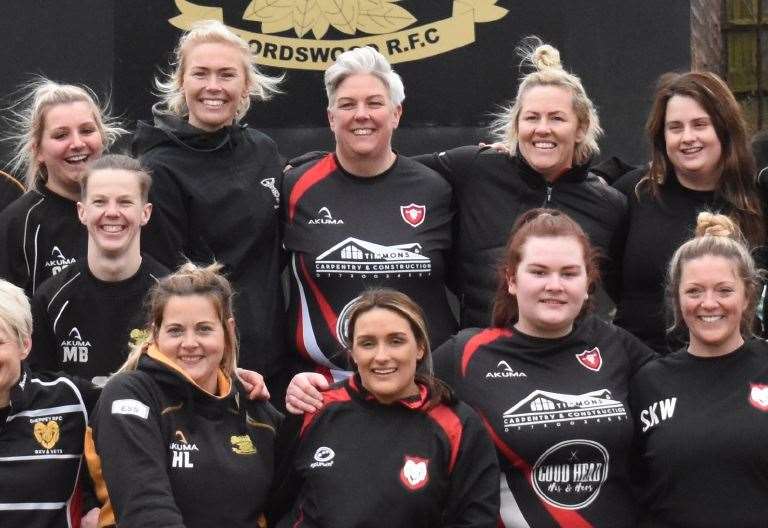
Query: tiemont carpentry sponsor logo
x=269, y=183
x=414, y=474
x=542, y=408
x=355, y=258
x=570, y=474
x=657, y=412
x=181, y=451
x=324, y=217
x=75, y=349
x=57, y=261
x=47, y=431
x=503, y=370
x=323, y=457
x=310, y=34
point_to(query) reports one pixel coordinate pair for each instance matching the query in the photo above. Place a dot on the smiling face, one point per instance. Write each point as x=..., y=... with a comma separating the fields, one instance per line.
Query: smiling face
x=548, y=130
x=550, y=284
x=385, y=351
x=363, y=118
x=214, y=84
x=113, y=211
x=11, y=355
x=712, y=301
x=692, y=144
x=70, y=138
x=193, y=337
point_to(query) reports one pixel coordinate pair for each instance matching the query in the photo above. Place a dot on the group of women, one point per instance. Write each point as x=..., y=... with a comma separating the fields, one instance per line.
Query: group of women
x=589, y=427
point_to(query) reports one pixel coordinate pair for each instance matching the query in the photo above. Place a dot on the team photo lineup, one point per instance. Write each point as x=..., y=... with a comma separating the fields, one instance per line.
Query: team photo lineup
x=198, y=332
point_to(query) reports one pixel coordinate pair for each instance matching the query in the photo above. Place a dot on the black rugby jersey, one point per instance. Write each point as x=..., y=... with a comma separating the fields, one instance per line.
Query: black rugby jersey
x=40, y=235
x=41, y=447
x=557, y=412
x=85, y=326
x=346, y=233
x=701, y=425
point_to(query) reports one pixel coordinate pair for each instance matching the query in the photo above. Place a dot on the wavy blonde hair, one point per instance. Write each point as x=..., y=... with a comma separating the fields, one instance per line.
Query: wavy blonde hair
x=27, y=123
x=548, y=71
x=170, y=84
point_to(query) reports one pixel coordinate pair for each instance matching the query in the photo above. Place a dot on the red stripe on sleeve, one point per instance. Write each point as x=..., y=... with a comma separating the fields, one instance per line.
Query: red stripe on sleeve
x=483, y=338
x=325, y=306
x=315, y=174
x=564, y=518
x=451, y=424
x=331, y=396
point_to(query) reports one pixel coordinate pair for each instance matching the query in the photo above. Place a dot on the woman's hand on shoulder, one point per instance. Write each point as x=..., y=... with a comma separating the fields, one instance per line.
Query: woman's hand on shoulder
x=253, y=382
x=500, y=147
x=303, y=394
x=90, y=519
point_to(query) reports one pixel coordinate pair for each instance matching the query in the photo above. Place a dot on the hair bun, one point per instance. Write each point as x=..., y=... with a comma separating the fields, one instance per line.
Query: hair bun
x=710, y=224
x=546, y=57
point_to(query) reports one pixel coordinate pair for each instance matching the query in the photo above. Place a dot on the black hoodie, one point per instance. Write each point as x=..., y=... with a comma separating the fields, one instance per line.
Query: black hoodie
x=216, y=197
x=174, y=455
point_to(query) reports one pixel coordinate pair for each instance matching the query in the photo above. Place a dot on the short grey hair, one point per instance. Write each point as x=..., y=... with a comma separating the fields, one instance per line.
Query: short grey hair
x=362, y=61
x=15, y=312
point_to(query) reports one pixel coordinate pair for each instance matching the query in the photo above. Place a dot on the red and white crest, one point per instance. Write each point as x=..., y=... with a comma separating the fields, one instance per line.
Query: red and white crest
x=758, y=396
x=591, y=359
x=414, y=474
x=413, y=214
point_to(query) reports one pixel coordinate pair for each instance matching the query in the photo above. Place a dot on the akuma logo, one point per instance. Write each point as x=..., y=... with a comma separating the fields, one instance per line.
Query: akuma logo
x=58, y=261
x=75, y=349
x=310, y=34
x=503, y=370
x=325, y=217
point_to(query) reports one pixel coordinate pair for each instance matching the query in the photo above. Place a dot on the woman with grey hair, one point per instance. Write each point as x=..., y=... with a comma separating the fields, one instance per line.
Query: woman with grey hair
x=216, y=181
x=362, y=216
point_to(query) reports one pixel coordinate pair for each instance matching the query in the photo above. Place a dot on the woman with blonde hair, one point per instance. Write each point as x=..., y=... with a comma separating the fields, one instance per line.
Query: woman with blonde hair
x=700, y=160
x=42, y=425
x=59, y=129
x=176, y=441
x=216, y=181
x=701, y=412
x=551, y=131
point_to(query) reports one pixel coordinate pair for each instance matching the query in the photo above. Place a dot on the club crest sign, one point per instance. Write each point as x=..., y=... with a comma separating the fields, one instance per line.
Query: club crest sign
x=294, y=33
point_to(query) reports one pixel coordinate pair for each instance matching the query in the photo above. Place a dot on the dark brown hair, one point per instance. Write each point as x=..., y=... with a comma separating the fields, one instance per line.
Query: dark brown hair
x=407, y=308
x=737, y=185
x=538, y=223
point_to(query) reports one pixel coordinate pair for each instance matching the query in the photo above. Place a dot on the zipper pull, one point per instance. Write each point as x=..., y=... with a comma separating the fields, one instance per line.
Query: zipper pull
x=549, y=195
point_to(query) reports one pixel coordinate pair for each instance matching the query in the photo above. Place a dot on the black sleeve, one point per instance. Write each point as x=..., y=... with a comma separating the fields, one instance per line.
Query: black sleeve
x=473, y=497
x=166, y=236
x=129, y=441
x=43, y=356
x=287, y=483
x=11, y=241
x=444, y=361
x=454, y=165
x=639, y=353
x=313, y=155
x=612, y=279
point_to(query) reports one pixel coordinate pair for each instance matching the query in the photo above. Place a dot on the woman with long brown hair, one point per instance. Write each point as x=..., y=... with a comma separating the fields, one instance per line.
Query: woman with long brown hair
x=700, y=160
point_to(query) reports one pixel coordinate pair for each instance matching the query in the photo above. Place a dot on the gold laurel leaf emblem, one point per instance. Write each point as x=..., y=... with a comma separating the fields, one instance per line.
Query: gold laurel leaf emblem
x=242, y=445
x=382, y=17
x=47, y=434
x=138, y=335
x=374, y=17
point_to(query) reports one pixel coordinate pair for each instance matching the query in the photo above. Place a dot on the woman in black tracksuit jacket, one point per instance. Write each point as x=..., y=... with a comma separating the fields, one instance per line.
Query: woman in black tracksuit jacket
x=216, y=183
x=174, y=442
x=700, y=160
x=391, y=441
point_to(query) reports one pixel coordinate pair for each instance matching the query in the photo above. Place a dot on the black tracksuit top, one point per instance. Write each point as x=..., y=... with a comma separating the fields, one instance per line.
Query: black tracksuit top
x=41, y=445
x=40, y=235
x=558, y=414
x=346, y=233
x=84, y=326
x=216, y=197
x=175, y=456
x=359, y=463
x=492, y=190
x=701, y=425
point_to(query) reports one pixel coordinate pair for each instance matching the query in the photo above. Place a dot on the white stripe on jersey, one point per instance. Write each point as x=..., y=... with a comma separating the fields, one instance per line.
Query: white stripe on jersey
x=62, y=409
x=509, y=511
x=308, y=334
x=36, y=457
x=24, y=235
x=9, y=506
x=60, y=289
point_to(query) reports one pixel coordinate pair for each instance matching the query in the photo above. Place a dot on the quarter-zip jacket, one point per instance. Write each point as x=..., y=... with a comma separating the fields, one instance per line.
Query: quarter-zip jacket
x=492, y=190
